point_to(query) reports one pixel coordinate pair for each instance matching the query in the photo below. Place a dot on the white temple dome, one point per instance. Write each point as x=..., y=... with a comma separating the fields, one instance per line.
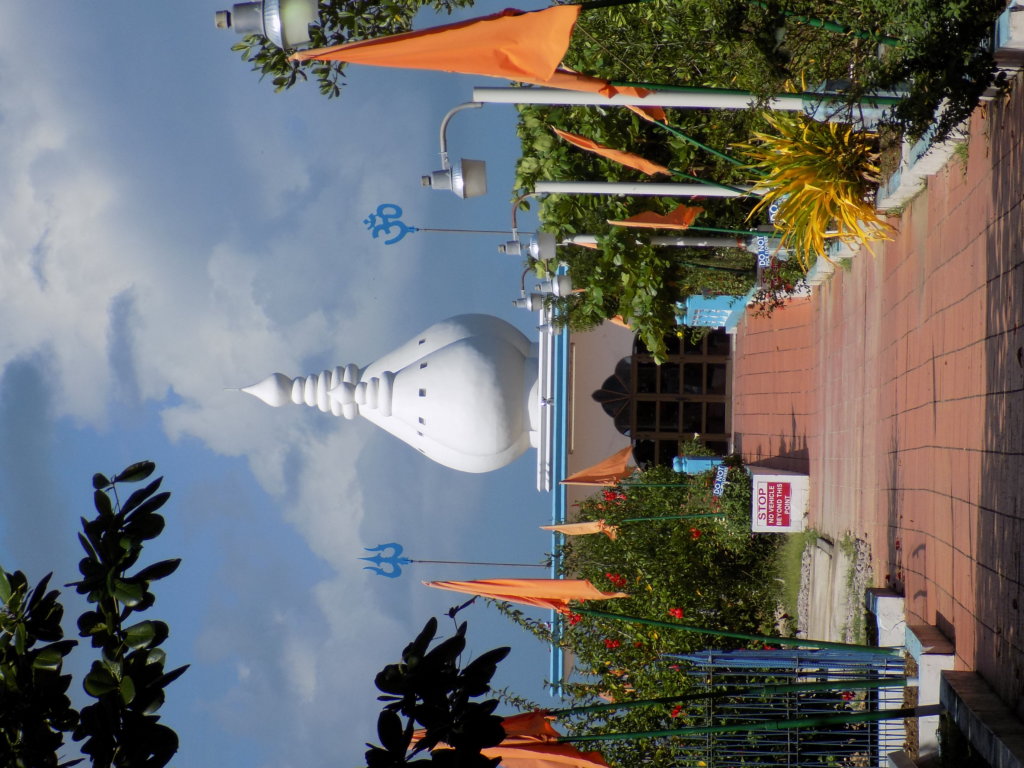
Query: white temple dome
x=463, y=392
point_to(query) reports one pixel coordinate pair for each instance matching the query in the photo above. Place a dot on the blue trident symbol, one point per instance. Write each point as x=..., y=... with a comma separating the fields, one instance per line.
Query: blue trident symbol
x=394, y=560
x=388, y=217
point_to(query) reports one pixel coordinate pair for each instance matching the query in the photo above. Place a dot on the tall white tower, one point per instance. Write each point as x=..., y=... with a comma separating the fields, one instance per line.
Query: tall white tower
x=463, y=393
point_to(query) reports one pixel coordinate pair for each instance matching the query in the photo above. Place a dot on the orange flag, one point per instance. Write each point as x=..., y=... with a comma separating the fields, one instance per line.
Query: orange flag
x=606, y=472
x=653, y=114
x=526, y=47
x=582, y=529
x=681, y=218
x=532, y=742
x=543, y=593
x=627, y=159
x=512, y=44
x=620, y=321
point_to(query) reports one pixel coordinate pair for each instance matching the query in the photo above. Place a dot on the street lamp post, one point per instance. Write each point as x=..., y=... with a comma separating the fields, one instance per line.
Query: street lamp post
x=284, y=22
x=467, y=178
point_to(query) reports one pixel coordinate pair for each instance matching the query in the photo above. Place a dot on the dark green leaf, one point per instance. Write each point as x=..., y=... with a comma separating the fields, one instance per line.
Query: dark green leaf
x=129, y=593
x=146, y=633
x=48, y=658
x=150, y=505
x=99, y=482
x=391, y=733
x=102, y=503
x=171, y=676
x=127, y=689
x=158, y=570
x=99, y=681
x=418, y=647
x=135, y=473
x=140, y=496
x=5, y=587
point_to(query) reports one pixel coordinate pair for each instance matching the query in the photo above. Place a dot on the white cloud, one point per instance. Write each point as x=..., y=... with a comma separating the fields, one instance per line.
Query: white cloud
x=132, y=271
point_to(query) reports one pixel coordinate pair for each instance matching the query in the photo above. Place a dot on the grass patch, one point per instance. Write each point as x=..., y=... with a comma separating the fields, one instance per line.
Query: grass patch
x=789, y=567
x=857, y=578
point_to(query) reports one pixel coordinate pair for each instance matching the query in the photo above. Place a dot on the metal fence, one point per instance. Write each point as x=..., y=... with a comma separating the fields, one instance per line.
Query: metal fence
x=784, y=708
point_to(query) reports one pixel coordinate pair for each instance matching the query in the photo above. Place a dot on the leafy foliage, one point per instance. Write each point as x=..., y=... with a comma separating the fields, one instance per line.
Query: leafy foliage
x=765, y=48
x=340, y=22
x=121, y=728
x=35, y=710
x=429, y=688
x=705, y=572
x=819, y=177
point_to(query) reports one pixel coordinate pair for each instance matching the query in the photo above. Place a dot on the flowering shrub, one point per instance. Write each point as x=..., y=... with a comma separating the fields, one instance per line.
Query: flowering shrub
x=716, y=579
x=617, y=579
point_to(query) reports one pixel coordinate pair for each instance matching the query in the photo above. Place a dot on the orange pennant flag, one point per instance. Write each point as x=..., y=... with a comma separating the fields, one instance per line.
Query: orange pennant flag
x=627, y=159
x=681, y=218
x=606, y=472
x=652, y=114
x=511, y=44
x=620, y=321
x=569, y=80
x=525, y=47
x=542, y=593
x=582, y=529
x=532, y=742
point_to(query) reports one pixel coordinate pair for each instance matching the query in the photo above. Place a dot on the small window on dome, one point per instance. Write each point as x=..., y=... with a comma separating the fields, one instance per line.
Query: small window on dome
x=422, y=366
x=423, y=341
x=422, y=420
x=423, y=393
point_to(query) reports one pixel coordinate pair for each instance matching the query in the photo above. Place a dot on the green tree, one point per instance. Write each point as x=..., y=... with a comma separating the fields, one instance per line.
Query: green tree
x=340, y=22
x=709, y=572
x=429, y=688
x=120, y=729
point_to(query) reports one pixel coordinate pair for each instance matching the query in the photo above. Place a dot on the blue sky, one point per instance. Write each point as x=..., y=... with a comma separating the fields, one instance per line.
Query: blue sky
x=171, y=228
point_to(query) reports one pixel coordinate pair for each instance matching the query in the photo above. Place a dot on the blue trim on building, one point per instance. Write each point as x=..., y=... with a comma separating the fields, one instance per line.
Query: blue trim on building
x=559, y=463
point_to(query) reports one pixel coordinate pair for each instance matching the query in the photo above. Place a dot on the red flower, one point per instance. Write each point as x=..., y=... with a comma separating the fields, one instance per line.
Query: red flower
x=847, y=695
x=674, y=666
x=677, y=710
x=611, y=644
x=617, y=579
x=676, y=612
x=575, y=618
x=695, y=533
x=616, y=496
x=638, y=644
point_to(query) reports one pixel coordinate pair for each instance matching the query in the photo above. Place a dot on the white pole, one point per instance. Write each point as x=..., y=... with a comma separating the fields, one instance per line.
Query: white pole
x=699, y=98
x=667, y=241
x=649, y=189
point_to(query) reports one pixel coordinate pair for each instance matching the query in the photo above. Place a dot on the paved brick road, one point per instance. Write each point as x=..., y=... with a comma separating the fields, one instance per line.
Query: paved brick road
x=899, y=386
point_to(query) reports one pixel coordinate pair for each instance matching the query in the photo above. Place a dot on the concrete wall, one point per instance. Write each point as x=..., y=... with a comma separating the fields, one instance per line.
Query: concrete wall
x=591, y=435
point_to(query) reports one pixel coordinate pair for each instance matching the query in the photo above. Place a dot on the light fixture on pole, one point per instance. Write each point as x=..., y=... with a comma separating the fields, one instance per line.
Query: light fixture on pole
x=467, y=178
x=284, y=22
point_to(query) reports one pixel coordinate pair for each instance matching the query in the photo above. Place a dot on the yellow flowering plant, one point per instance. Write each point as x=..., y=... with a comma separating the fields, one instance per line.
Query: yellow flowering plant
x=819, y=177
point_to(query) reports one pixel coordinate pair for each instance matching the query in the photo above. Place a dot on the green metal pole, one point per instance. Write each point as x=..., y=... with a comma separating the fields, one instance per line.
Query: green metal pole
x=826, y=685
x=651, y=485
x=834, y=26
x=738, y=190
x=673, y=517
x=792, y=641
x=771, y=725
x=694, y=142
x=744, y=232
